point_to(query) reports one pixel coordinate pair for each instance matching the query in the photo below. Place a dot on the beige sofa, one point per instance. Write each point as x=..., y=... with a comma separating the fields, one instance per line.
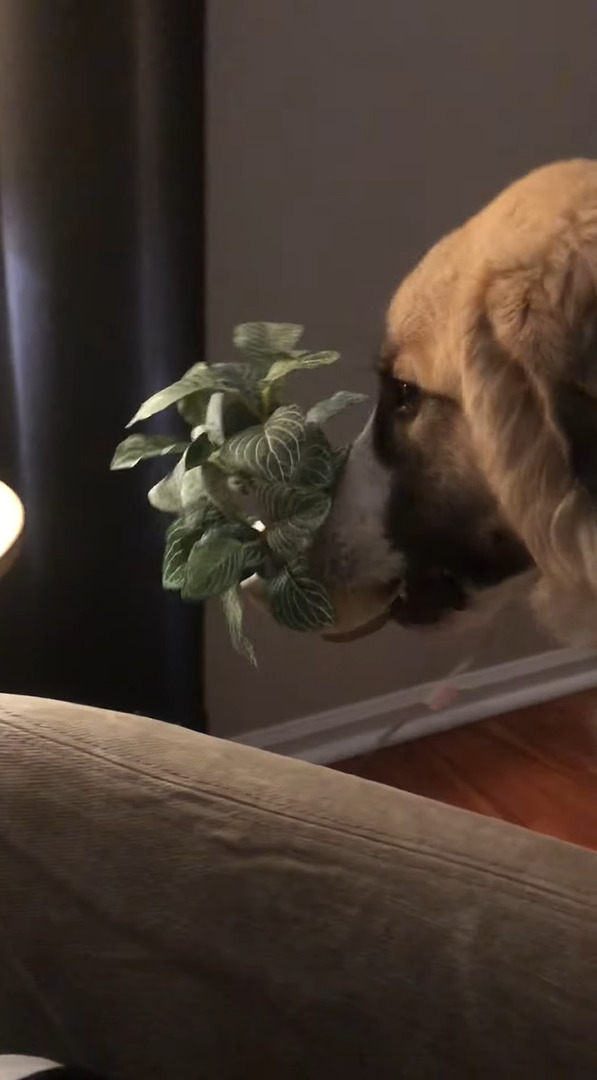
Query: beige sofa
x=173, y=906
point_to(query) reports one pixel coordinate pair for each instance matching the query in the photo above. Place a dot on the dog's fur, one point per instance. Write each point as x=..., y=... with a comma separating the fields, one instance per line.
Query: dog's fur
x=479, y=465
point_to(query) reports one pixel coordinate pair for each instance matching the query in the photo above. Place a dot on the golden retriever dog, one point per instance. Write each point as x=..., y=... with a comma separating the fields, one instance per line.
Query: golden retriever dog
x=478, y=468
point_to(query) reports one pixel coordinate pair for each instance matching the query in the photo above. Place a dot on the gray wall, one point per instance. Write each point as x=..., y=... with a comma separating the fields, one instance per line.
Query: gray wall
x=344, y=138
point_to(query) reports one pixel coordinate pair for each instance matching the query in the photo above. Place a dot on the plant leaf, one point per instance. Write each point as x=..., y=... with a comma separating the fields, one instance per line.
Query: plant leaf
x=271, y=451
x=290, y=538
x=292, y=516
x=193, y=408
x=216, y=564
x=324, y=410
x=166, y=494
x=179, y=543
x=199, y=450
x=233, y=530
x=201, y=377
x=223, y=491
x=192, y=489
x=316, y=467
x=238, y=378
x=233, y=613
x=138, y=447
x=300, y=361
x=214, y=419
x=204, y=515
x=299, y=602
x=259, y=341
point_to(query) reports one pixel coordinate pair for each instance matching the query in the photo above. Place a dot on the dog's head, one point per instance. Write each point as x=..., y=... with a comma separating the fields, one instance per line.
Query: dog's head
x=479, y=462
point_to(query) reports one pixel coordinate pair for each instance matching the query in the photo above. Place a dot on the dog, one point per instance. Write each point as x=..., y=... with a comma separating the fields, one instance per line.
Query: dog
x=476, y=474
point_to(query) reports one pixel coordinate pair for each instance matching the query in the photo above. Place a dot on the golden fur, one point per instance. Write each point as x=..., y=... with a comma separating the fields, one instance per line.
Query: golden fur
x=501, y=316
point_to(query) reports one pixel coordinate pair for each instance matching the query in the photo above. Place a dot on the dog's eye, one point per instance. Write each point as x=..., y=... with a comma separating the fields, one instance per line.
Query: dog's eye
x=406, y=396
x=398, y=404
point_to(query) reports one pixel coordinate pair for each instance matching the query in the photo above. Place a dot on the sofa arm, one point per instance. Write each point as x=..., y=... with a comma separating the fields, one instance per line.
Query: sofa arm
x=174, y=906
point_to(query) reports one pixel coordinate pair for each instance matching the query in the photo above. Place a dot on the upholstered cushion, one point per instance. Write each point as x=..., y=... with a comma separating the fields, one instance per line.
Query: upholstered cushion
x=19, y=1067
x=176, y=906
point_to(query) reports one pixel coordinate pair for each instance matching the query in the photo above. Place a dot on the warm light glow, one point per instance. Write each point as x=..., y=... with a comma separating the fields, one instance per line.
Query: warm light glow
x=12, y=519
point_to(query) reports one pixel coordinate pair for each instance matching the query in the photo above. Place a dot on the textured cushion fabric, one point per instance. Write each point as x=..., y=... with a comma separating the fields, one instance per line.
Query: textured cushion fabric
x=19, y=1067
x=176, y=906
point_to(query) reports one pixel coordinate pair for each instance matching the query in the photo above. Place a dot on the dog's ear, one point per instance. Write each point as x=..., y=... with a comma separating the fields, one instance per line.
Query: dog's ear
x=575, y=411
x=527, y=381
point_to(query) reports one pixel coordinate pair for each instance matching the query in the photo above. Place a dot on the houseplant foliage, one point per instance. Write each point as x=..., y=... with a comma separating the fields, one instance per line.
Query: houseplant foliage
x=253, y=481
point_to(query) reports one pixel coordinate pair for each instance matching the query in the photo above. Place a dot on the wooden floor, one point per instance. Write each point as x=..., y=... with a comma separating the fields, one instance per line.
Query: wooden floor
x=536, y=767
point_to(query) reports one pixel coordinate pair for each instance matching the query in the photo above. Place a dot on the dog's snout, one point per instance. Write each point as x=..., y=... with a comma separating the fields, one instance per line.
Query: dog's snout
x=352, y=548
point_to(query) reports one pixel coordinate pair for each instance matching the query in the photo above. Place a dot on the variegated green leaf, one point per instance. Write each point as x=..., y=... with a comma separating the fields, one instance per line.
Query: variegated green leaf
x=292, y=516
x=298, y=602
x=138, y=447
x=194, y=407
x=233, y=530
x=316, y=467
x=224, y=490
x=201, y=377
x=217, y=564
x=166, y=494
x=324, y=410
x=233, y=613
x=192, y=489
x=259, y=341
x=204, y=516
x=239, y=380
x=299, y=361
x=270, y=451
x=180, y=540
x=214, y=419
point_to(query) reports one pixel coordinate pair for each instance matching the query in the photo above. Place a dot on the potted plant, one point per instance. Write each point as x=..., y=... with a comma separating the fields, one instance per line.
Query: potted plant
x=253, y=481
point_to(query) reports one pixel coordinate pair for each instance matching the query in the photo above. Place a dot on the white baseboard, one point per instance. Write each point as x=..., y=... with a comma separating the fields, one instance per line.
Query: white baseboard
x=363, y=726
